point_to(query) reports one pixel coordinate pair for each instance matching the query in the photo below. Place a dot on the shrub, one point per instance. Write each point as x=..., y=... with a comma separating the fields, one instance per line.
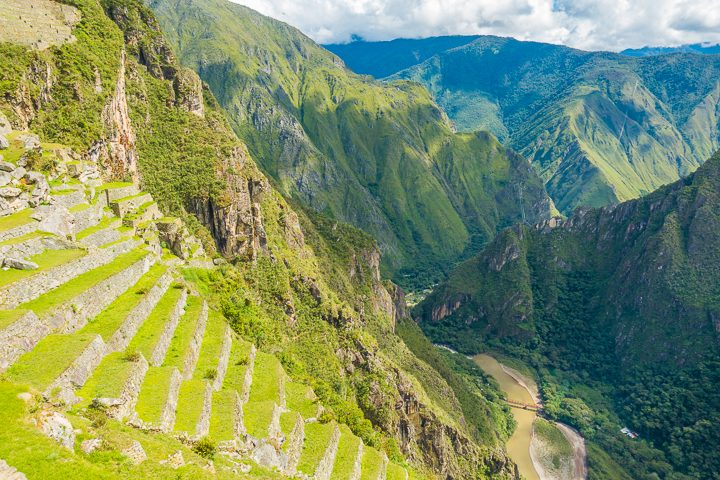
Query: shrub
x=205, y=447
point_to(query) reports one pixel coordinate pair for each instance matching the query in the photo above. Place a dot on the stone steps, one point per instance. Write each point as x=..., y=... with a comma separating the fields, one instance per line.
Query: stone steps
x=71, y=305
x=32, y=287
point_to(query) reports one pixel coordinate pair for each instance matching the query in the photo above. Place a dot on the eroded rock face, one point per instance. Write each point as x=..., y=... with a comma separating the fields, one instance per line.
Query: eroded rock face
x=235, y=217
x=58, y=427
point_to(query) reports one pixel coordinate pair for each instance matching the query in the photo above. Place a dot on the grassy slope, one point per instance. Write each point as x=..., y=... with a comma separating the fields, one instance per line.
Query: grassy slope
x=347, y=141
x=566, y=110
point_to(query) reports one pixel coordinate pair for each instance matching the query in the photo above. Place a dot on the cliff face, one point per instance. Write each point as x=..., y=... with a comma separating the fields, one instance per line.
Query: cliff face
x=621, y=300
x=301, y=286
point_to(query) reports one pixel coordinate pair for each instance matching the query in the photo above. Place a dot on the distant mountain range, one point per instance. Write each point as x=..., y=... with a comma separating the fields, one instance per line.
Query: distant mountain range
x=702, y=48
x=598, y=127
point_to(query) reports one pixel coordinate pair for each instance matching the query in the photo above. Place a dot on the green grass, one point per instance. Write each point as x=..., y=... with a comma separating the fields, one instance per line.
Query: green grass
x=211, y=346
x=299, y=398
x=257, y=417
x=372, y=462
x=222, y=419
x=317, y=439
x=287, y=425
x=17, y=219
x=266, y=378
x=153, y=394
x=108, y=379
x=46, y=260
x=22, y=238
x=113, y=185
x=237, y=365
x=395, y=472
x=346, y=454
x=104, y=223
x=108, y=321
x=8, y=317
x=80, y=207
x=50, y=358
x=147, y=337
x=183, y=334
x=81, y=283
x=190, y=405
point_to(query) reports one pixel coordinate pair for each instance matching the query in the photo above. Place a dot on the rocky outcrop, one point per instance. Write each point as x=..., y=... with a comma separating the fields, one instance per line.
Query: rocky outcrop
x=234, y=218
x=188, y=89
x=117, y=151
x=135, y=453
x=56, y=426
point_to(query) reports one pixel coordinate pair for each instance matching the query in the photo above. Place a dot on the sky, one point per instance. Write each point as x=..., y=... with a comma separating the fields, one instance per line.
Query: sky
x=587, y=24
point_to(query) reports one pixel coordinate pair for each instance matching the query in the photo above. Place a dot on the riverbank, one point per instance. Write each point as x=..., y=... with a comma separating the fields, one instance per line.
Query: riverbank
x=553, y=451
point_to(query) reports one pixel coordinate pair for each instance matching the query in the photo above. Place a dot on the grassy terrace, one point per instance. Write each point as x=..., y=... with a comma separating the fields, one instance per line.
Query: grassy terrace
x=50, y=358
x=266, y=378
x=108, y=379
x=110, y=319
x=346, y=454
x=257, y=417
x=222, y=420
x=45, y=260
x=395, y=472
x=287, y=424
x=81, y=283
x=237, y=364
x=22, y=238
x=15, y=220
x=190, y=405
x=317, y=439
x=153, y=394
x=147, y=337
x=183, y=334
x=8, y=317
x=113, y=185
x=211, y=347
x=372, y=462
x=301, y=399
x=105, y=222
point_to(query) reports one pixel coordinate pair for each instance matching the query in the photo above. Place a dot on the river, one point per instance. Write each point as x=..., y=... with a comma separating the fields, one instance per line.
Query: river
x=523, y=445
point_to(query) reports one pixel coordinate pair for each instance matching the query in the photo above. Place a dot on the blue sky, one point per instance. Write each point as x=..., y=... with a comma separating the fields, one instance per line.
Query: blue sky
x=587, y=24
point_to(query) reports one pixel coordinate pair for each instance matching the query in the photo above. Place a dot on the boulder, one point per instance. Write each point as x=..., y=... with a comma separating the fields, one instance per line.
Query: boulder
x=135, y=453
x=30, y=141
x=6, y=166
x=19, y=264
x=5, y=126
x=42, y=188
x=58, y=221
x=18, y=173
x=10, y=192
x=58, y=427
x=89, y=446
x=5, y=178
x=176, y=460
x=4, y=143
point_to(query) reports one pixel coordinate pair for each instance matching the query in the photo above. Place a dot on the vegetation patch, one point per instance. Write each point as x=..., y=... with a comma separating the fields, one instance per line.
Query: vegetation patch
x=317, y=440
x=190, y=405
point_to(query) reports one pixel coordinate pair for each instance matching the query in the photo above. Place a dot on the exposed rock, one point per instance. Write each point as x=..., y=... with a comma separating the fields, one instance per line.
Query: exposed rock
x=5, y=178
x=118, y=149
x=4, y=143
x=210, y=467
x=135, y=453
x=57, y=427
x=5, y=126
x=6, y=166
x=19, y=264
x=89, y=446
x=178, y=239
x=10, y=192
x=58, y=221
x=10, y=473
x=18, y=173
x=189, y=92
x=267, y=455
x=30, y=141
x=176, y=460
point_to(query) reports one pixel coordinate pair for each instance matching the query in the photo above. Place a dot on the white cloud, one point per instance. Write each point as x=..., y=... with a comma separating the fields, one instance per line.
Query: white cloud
x=586, y=24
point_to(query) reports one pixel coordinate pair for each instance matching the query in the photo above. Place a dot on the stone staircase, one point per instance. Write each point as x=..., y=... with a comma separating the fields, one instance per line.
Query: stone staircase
x=103, y=321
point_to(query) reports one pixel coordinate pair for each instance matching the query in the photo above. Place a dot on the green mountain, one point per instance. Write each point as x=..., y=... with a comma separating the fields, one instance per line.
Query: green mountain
x=616, y=309
x=598, y=127
x=165, y=312
x=381, y=157
x=699, y=48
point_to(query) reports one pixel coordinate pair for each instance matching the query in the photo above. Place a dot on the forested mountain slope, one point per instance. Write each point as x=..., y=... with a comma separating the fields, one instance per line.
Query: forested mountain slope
x=381, y=157
x=617, y=309
x=598, y=127
x=241, y=330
